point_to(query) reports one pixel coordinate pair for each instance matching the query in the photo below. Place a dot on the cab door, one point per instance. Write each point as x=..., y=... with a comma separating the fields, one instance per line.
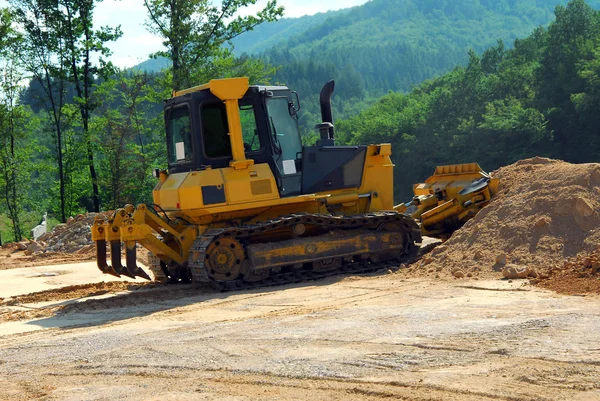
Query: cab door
x=286, y=144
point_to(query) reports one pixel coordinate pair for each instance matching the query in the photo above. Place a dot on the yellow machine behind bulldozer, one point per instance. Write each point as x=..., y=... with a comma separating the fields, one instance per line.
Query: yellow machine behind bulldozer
x=243, y=203
x=450, y=197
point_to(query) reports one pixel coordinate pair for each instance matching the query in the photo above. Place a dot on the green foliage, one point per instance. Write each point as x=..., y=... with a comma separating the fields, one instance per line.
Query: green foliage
x=507, y=99
x=129, y=143
x=539, y=98
x=388, y=45
x=194, y=33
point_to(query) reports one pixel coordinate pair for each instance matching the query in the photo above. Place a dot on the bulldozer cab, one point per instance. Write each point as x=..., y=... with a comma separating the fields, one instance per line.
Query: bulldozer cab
x=199, y=134
x=227, y=123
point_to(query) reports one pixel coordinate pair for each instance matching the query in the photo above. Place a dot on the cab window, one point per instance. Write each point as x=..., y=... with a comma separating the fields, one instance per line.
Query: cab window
x=179, y=132
x=285, y=134
x=249, y=130
x=215, y=130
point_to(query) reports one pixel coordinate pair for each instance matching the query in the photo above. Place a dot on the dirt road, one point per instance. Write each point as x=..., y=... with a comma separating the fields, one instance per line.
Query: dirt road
x=367, y=338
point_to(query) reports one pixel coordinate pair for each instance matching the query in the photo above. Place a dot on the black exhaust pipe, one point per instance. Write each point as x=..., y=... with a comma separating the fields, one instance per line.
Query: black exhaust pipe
x=326, y=113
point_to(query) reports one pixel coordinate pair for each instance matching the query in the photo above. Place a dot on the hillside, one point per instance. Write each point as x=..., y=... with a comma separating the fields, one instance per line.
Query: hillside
x=269, y=35
x=537, y=98
x=394, y=44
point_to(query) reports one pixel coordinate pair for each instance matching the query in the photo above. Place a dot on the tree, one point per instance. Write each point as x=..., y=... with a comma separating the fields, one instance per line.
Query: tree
x=42, y=56
x=60, y=48
x=194, y=32
x=569, y=43
x=10, y=121
x=125, y=136
x=75, y=19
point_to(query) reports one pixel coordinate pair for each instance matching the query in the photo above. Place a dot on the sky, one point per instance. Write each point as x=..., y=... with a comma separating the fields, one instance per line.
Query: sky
x=137, y=43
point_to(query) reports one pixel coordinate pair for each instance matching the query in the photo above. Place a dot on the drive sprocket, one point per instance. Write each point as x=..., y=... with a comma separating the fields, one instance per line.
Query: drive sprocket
x=224, y=259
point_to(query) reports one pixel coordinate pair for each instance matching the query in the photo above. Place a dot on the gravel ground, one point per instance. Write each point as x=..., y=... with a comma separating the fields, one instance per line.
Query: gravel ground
x=347, y=338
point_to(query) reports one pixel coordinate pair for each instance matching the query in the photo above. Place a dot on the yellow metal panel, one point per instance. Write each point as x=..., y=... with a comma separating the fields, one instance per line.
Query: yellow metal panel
x=166, y=194
x=258, y=210
x=378, y=178
x=229, y=88
x=458, y=169
x=190, y=191
x=261, y=187
x=238, y=184
x=191, y=90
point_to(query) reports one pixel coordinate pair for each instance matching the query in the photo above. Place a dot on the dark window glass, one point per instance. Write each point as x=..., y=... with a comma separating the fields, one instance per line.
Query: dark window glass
x=179, y=132
x=285, y=132
x=215, y=130
x=249, y=130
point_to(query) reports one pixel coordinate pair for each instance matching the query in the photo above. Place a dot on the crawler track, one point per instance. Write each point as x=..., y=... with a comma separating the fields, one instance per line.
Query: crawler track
x=283, y=228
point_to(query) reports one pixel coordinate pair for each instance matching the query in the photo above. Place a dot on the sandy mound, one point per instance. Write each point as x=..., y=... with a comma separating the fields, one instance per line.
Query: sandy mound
x=545, y=218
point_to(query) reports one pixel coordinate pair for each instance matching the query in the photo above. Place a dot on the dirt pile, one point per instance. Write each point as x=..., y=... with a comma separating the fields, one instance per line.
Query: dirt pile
x=71, y=241
x=69, y=237
x=72, y=237
x=545, y=218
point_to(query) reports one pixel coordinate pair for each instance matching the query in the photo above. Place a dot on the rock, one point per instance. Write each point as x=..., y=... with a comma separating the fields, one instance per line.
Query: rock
x=426, y=260
x=60, y=227
x=88, y=248
x=33, y=247
x=541, y=223
x=501, y=259
x=439, y=249
x=458, y=273
x=44, y=237
x=585, y=216
x=21, y=246
x=595, y=267
x=583, y=207
x=478, y=255
x=515, y=271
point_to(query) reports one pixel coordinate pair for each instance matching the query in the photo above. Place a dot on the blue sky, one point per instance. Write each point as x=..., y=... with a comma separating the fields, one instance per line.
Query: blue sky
x=137, y=43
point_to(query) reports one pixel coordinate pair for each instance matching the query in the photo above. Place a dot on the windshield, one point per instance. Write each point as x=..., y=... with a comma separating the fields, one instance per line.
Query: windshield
x=285, y=133
x=179, y=134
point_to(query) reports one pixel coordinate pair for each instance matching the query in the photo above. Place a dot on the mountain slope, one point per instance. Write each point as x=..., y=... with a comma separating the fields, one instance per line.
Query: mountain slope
x=538, y=98
x=268, y=35
x=395, y=44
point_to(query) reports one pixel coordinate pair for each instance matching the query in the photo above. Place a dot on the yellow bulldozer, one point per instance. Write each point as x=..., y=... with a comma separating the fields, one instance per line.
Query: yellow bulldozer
x=243, y=203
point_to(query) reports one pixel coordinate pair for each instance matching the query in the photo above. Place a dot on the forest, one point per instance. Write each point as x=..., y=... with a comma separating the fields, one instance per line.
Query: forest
x=82, y=135
x=540, y=97
x=390, y=45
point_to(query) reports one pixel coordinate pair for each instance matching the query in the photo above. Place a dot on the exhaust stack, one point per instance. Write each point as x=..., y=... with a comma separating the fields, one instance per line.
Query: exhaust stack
x=326, y=127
